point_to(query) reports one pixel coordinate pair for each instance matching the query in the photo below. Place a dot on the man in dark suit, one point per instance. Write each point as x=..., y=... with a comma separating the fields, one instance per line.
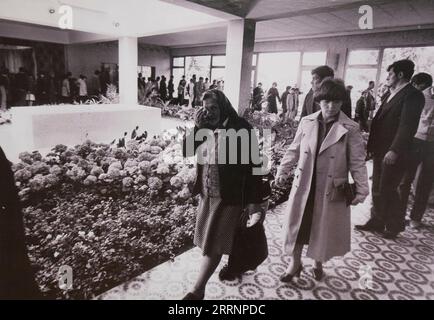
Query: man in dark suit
x=392, y=132
x=318, y=75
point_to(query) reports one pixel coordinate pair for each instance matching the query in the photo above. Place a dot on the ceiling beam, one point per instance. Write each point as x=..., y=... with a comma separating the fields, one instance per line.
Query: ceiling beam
x=291, y=14
x=203, y=9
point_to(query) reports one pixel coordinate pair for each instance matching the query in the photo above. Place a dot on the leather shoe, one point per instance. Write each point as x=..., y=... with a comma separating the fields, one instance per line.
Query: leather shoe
x=369, y=226
x=318, y=273
x=390, y=235
x=288, y=276
x=226, y=274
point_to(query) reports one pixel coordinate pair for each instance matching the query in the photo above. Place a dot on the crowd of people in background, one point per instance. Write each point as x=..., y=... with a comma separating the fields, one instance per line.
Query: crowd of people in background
x=23, y=89
x=190, y=93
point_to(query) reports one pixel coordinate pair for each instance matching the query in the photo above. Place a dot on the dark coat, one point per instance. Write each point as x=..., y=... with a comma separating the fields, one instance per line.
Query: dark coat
x=396, y=122
x=238, y=186
x=16, y=276
x=272, y=95
x=309, y=105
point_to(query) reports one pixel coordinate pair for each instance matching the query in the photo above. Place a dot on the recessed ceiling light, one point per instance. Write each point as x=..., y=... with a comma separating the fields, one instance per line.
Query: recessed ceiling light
x=51, y=11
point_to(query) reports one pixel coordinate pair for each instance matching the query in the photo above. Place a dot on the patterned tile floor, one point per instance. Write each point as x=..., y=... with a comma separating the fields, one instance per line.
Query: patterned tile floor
x=400, y=269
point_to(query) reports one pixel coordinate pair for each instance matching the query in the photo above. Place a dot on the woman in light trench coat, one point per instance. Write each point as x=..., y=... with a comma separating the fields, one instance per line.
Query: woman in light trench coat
x=327, y=146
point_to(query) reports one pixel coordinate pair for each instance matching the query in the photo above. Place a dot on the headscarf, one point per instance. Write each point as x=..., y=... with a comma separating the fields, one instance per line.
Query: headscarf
x=226, y=109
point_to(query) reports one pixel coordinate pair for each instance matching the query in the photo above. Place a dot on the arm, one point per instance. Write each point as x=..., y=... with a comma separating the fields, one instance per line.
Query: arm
x=410, y=116
x=356, y=156
x=291, y=156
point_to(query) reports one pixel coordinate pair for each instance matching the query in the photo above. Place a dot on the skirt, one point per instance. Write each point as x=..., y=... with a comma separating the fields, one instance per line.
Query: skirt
x=216, y=223
x=306, y=222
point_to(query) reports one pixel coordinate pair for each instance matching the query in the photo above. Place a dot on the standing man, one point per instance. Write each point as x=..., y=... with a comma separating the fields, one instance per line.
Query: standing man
x=389, y=144
x=207, y=84
x=181, y=91
x=258, y=95
x=199, y=90
x=422, y=154
x=272, y=95
x=284, y=101
x=163, y=89
x=82, y=88
x=42, y=87
x=170, y=88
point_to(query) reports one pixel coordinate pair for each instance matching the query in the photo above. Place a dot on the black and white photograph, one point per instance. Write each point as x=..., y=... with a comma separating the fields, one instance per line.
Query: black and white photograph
x=220, y=150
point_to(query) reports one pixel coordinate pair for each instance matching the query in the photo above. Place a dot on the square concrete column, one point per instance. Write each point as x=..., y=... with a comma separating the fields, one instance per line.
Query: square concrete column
x=128, y=59
x=239, y=55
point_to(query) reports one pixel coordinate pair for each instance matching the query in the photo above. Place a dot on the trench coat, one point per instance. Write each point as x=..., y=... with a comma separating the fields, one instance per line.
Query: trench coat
x=341, y=152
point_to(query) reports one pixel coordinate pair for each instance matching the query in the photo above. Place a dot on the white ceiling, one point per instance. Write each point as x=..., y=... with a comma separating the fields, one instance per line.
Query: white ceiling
x=183, y=23
x=314, y=18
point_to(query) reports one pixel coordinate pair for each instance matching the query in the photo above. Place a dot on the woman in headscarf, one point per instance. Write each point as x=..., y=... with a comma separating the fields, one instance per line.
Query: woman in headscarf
x=226, y=187
x=327, y=147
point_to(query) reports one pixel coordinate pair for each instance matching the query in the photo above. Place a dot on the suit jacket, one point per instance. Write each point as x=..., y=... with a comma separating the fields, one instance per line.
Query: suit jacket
x=309, y=105
x=395, y=123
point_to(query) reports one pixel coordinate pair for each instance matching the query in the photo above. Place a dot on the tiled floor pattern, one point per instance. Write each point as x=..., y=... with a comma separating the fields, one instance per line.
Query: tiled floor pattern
x=400, y=269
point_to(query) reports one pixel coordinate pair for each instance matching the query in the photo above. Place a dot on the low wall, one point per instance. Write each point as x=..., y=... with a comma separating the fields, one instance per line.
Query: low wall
x=42, y=127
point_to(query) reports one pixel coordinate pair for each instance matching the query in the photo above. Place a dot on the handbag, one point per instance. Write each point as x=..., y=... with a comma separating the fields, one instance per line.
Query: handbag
x=349, y=190
x=249, y=249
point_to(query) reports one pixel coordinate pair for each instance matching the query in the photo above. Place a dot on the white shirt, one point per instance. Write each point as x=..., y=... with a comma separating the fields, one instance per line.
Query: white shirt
x=83, y=87
x=394, y=92
x=425, y=130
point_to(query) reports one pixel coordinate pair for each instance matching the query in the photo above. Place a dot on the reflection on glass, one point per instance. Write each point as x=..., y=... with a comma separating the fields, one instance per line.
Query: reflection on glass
x=280, y=67
x=218, y=74
x=198, y=65
x=363, y=57
x=423, y=57
x=219, y=61
x=178, y=62
x=359, y=78
x=314, y=58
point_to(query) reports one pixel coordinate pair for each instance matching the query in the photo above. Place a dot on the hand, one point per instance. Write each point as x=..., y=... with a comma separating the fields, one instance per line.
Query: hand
x=390, y=158
x=358, y=199
x=200, y=117
x=254, y=208
x=279, y=182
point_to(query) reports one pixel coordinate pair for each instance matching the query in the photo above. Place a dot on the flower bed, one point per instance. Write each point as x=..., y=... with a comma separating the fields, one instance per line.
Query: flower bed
x=110, y=213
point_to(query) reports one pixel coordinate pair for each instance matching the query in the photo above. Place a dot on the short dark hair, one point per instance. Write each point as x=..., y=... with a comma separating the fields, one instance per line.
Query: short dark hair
x=331, y=90
x=372, y=82
x=422, y=78
x=323, y=72
x=405, y=66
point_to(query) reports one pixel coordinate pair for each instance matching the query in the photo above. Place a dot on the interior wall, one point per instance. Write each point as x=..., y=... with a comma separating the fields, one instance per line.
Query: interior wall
x=86, y=58
x=48, y=56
